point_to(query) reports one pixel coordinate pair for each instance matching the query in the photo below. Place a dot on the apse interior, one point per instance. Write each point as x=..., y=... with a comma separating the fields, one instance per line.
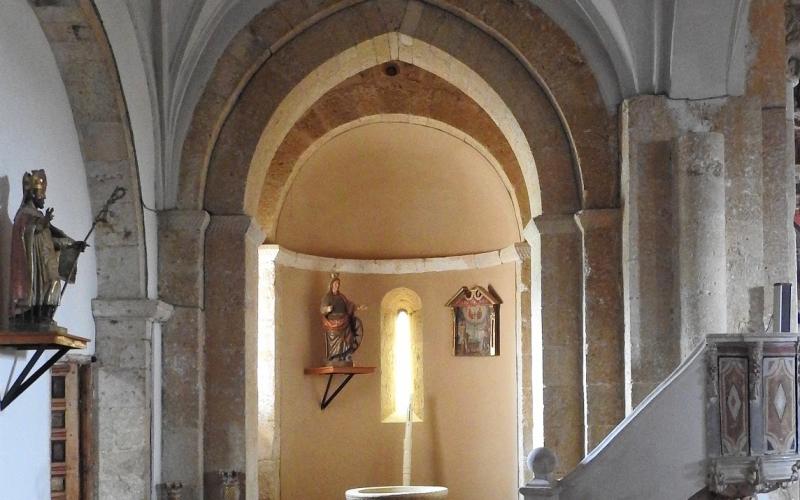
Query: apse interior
x=370, y=201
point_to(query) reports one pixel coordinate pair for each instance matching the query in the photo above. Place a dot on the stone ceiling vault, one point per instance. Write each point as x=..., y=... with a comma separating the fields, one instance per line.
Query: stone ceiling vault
x=411, y=91
x=538, y=74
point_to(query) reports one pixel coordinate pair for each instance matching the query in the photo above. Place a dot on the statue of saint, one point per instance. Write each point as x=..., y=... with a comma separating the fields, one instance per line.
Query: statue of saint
x=41, y=256
x=343, y=329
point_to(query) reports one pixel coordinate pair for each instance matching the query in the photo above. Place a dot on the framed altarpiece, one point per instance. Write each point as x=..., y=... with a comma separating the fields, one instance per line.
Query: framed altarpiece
x=476, y=322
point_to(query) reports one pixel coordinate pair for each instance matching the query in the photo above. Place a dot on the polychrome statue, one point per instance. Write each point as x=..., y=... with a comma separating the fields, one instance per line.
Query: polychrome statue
x=41, y=257
x=342, y=328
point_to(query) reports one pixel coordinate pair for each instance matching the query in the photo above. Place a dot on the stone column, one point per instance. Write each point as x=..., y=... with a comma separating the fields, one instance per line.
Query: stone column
x=181, y=243
x=525, y=420
x=268, y=378
x=556, y=336
x=603, y=323
x=780, y=259
x=231, y=296
x=699, y=221
x=123, y=398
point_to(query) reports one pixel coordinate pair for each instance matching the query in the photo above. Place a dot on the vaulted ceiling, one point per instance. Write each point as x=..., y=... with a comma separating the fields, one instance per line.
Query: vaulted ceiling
x=683, y=48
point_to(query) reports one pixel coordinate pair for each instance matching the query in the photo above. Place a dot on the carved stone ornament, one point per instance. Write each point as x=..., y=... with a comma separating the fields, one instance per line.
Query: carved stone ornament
x=712, y=368
x=175, y=491
x=756, y=354
x=716, y=478
x=230, y=485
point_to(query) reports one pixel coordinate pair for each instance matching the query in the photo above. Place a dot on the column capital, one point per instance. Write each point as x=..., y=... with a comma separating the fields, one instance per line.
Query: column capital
x=237, y=225
x=550, y=224
x=144, y=309
x=600, y=218
x=183, y=220
x=181, y=243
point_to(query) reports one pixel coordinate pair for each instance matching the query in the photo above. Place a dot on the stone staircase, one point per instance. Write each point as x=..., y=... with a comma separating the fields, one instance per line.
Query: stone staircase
x=722, y=425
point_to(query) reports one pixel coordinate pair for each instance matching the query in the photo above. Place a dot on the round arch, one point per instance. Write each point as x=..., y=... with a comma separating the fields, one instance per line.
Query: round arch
x=537, y=47
x=123, y=314
x=412, y=92
x=527, y=75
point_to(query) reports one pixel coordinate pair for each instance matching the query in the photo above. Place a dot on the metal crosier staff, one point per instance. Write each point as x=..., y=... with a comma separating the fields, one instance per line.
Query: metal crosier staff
x=116, y=195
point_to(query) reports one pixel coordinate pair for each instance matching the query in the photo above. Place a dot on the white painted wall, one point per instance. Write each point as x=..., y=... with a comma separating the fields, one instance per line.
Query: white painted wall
x=37, y=132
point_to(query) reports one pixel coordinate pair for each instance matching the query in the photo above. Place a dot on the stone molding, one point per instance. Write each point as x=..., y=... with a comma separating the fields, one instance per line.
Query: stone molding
x=236, y=225
x=601, y=218
x=183, y=220
x=550, y=224
x=522, y=250
x=146, y=309
x=288, y=258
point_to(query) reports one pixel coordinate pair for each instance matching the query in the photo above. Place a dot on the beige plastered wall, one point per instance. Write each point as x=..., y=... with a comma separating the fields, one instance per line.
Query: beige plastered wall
x=467, y=440
x=366, y=194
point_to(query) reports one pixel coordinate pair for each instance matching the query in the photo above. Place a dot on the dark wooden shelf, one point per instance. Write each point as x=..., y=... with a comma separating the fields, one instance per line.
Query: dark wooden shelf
x=330, y=371
x=24, y=340
x=58, y=340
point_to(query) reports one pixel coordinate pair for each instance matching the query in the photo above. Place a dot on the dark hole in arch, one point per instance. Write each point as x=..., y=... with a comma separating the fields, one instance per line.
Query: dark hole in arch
x=391, y=69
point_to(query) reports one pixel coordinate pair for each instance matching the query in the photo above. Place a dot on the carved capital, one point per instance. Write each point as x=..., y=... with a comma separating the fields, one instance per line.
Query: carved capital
x=174, y=491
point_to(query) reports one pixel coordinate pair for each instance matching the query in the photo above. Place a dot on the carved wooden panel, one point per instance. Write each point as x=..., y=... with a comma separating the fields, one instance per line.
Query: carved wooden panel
x=64, y=433
x=780, y=435
x=733, y=401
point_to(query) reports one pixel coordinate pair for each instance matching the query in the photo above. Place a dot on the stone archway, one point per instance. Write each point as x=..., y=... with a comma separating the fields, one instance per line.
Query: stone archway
x=563, y=125
x=121, y=377
x=412, y=92
x=536, y=42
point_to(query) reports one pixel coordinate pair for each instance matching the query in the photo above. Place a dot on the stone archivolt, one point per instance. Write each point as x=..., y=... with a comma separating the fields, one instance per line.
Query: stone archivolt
x=502, y=73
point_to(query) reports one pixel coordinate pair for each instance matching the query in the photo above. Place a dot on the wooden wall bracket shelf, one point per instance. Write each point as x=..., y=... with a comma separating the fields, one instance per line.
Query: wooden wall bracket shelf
x=60, y=341
x=330, y=371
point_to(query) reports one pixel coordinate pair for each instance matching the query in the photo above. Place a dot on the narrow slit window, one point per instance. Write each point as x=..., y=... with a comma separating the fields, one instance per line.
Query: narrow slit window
x=402, y=363
x=401, y=356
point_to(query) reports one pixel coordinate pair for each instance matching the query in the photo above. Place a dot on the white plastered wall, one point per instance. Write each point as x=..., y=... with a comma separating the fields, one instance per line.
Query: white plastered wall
x=38, y=132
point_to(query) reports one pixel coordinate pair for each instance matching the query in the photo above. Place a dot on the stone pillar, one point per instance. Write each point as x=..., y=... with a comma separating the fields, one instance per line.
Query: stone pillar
x=603, y=323
x=525, y=421
x=268, y=378
x=556, y=337
x=780, y=259
x=699, y=169
x=652, y=346
x=181, y=243
x=231, y=293
x=124, y=390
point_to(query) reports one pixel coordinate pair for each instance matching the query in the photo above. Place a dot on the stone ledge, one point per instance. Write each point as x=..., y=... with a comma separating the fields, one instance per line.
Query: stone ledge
x=600, y=218
x=145, y=309
x=288, y=258
x=550, y=224
x=235, y=225
x=183, y=220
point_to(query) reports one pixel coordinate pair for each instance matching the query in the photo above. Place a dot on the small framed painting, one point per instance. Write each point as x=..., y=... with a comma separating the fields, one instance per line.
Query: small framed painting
x=476, y=322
